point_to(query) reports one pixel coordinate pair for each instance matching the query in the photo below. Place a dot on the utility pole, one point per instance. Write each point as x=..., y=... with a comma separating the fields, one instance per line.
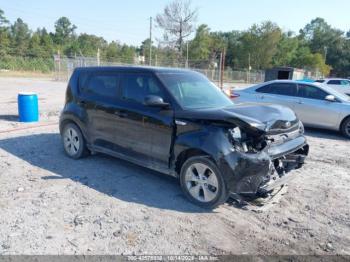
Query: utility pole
x=249, y=68
x=220, y=71
x=187, y=56
x=222, y=68
x=150, y=41
x=98, y=56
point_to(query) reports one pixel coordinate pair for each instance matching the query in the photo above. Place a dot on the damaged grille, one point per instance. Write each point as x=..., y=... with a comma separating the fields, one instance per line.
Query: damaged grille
x=278, y=139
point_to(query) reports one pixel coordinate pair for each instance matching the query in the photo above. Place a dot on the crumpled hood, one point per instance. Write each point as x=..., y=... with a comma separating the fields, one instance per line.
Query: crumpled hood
x=250, y=115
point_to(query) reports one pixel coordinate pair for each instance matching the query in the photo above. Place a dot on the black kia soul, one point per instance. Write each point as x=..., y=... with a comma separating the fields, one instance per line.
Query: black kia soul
x=178, y=123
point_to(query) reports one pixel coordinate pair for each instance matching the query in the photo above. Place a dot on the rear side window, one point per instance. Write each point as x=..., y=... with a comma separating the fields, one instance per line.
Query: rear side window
x=135, y=87
x=286, y=89
x=320, y=81
x=334, y=82
x=311, y=92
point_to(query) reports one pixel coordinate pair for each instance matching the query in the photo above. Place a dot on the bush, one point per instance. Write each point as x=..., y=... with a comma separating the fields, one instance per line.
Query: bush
x=43, y=65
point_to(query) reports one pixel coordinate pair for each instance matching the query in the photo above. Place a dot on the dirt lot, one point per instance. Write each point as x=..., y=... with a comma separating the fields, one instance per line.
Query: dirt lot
x=50, y=204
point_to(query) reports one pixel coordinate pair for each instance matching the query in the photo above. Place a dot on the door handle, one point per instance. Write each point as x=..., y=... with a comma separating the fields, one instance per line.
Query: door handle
x=82, y=103
x=121, y=114
x=300, y=102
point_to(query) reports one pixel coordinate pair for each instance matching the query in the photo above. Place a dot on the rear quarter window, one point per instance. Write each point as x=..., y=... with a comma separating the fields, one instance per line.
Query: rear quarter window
x=99, y=84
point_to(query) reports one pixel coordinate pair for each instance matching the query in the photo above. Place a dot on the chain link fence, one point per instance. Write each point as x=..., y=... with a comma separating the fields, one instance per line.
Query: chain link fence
x=64, y=66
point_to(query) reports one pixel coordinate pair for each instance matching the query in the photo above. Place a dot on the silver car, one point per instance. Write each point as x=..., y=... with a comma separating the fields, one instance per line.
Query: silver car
x=315, y=104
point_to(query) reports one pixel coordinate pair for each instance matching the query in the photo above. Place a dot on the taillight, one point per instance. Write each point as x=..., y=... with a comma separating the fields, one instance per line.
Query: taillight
x=234, y=95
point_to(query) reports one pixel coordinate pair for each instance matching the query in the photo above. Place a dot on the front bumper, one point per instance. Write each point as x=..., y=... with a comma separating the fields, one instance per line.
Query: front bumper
x=262, y=172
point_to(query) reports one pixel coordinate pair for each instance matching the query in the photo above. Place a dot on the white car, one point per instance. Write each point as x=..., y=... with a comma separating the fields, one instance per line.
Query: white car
x=341, y=85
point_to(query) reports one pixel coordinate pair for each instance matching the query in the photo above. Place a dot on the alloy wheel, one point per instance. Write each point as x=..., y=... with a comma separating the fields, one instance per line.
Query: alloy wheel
x=201, y=182
x=347, y=129
x=71, y=141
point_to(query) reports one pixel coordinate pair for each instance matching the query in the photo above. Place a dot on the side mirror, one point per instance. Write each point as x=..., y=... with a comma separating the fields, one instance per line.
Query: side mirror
x=155, y=101
x=330, y=98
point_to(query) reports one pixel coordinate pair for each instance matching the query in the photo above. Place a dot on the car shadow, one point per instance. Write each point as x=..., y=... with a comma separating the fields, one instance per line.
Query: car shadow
x=325, y=134
x=9, y=118
x=108, y=175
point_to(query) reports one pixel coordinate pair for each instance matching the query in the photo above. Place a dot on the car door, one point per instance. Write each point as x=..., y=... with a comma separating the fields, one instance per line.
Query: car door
x=278, y=93
x=143, y=133
x=98, y=96
x=313, y=109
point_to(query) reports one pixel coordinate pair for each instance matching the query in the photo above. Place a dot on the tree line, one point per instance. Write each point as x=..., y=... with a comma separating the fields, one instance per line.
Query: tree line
x=317, y=46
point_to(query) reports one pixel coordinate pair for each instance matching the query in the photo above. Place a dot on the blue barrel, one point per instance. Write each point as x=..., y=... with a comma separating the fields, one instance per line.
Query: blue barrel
x=28, y=109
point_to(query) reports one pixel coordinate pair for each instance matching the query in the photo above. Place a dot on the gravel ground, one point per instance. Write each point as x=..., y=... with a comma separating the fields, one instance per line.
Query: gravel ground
x=50, y=204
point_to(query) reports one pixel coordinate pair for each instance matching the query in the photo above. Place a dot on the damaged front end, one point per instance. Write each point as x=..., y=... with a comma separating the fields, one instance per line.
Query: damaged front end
x=263, y=160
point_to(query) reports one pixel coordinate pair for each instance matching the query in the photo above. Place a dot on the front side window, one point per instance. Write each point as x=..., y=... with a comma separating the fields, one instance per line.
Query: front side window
x=311, y=92
x=285, y=89
x=101, y=84
x=135, y=87
x=194, y=91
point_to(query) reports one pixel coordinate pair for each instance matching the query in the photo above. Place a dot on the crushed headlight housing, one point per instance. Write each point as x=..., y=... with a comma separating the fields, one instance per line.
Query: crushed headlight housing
x=245, y=143
x=236, y=139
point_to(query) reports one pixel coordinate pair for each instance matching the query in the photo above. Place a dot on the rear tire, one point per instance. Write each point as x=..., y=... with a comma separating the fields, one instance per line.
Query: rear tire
x=345, y=127
x=203, y=183
x=74, y=143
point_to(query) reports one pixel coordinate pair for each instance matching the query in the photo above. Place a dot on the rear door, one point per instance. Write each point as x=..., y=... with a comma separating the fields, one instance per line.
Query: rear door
x=278, y=93
x=142, y=132
x=312, y=108
x=98, y=95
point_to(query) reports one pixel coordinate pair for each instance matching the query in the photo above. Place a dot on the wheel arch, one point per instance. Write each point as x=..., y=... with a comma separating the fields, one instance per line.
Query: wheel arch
x=186, y=154
x=71, y=119
x=342, y=122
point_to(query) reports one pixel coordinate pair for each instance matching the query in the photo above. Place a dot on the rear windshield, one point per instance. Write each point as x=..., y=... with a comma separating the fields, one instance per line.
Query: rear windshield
x=194, y=91
x=320, y=81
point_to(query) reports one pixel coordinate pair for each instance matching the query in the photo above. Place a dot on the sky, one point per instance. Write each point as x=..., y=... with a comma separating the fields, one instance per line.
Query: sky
x=128, y=20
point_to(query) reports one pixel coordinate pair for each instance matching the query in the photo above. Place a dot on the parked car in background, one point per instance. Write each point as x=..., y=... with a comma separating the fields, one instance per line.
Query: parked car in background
x=341, y=85
x=315, y=104
x=178, y=123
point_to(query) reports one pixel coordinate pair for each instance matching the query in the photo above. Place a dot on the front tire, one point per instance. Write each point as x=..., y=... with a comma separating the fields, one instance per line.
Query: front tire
x=203, y=183
x=73, y=141
x=345, y=128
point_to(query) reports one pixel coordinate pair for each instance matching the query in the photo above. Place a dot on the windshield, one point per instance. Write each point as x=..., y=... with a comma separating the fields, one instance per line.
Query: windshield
x=194, y=91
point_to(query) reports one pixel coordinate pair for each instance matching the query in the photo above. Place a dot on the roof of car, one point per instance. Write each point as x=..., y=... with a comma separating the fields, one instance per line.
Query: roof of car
x=289, y=81
x=327, y=79
x=134, y=69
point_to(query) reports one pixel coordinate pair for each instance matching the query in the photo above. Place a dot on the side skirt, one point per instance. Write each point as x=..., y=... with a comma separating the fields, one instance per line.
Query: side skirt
x=146, y=164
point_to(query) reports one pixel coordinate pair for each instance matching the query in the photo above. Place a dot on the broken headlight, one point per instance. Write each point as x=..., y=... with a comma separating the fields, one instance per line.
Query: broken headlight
x=245, y=143
x=236, y=139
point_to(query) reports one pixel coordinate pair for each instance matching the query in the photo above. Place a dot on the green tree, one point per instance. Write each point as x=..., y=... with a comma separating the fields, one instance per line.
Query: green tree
x=328, y=41
x=4, y=34
x=286, y=50
x=64, y=31
x=46, y=43
x=112, y=51
x=205, y=47
x=35, y=48
x=260, y=43
x=20, y=37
